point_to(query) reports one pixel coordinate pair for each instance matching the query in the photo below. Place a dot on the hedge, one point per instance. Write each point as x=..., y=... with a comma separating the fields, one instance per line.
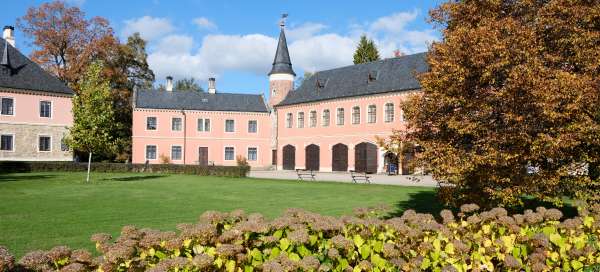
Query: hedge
x=303, y=241
x=225, y=171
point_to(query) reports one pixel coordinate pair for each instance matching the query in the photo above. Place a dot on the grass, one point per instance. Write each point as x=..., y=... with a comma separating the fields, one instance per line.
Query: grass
x=42, y=210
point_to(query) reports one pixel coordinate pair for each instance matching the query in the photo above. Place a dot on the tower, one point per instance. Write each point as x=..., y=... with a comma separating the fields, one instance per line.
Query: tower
x=281, y=77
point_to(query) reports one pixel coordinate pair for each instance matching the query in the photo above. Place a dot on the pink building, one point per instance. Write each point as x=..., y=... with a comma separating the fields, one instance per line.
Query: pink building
x=36, y=108
x=329, y=123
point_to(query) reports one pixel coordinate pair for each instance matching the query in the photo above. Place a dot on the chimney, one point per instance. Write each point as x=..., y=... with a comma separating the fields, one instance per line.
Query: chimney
x=169, y=86
x=8, y=35
x=212, y=88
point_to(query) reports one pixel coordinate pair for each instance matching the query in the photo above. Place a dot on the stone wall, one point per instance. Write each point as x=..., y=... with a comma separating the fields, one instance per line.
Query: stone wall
x=26, y=142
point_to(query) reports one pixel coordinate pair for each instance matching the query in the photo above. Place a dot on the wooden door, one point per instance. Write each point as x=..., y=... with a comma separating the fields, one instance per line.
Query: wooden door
x=289, y=157
x=339, y=157
x=365, y=158
x=312, y=157
x=274, y=157
x=203, y=156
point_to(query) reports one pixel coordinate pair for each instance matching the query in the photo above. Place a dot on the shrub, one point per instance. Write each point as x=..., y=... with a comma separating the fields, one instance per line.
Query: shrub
x=224, y=171
x=164, y=159
x=303, y=241
x=241, y=161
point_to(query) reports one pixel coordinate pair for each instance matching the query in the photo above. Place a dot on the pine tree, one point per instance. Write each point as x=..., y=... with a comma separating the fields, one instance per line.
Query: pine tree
x=366, y=51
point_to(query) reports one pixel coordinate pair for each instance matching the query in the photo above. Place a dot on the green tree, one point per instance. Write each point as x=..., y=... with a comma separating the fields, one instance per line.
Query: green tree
x=510, y=106
x=94, y=124
x=188, y=84
x=366, y=51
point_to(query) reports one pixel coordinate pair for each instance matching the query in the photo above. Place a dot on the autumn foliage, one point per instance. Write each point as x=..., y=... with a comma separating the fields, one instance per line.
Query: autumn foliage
x=511, y=104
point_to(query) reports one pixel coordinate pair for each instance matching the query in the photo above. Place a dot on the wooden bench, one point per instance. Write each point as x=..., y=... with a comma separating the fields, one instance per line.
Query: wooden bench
x=356, y=176
x=304, y=174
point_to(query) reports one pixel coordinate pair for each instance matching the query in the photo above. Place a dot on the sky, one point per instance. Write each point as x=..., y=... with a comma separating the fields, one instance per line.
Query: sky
x=235, y=41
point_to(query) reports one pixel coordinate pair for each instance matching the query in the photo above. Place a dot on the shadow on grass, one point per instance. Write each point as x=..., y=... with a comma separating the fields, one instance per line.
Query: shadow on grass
x=135, y=178
x=16, y=177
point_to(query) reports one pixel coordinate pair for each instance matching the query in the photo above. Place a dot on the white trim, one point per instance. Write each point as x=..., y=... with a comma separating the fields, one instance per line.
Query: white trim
x=225, y=128
x=245, y=113
x=316, y=118
x=14, y=106
x=225, y=152
x=298, y=120
x=155, y=152
x=280, y=76
x=352, y=115
x=248, y=149
x=33, y=124
x=14, y=147
x=336, y=101
x=328, y=118
x=291, y=123
x=384, y=112
x=38, y=143
x=375, y=105
x=181, y=128
x=155, y=124
x=248, y=128
x=203, y=138
x=171, y=153
x=40, y=109
x=337, y=123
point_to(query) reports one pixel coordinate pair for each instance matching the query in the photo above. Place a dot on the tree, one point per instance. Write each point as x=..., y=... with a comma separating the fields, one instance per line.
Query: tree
x=298, y=82
x=66, y=42
x=188, y=84
x=510, y=106
x=366, y=51
x=93, y=115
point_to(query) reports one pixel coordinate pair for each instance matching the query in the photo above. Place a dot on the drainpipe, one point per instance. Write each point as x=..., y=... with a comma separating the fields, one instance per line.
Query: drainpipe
x=184, y=134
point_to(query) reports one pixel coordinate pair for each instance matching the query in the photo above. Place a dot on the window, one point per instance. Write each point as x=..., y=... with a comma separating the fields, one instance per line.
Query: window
x=229, y=153
x=45, y=144
x=300, y=119
x=252, y=126
x=150, y=123
x=325, y=121
x=150, y=152
x=312, y=119
x=176, y=124
x=252, y=151
x=229, y=126
x=389, y=112
x=372, y=114
x=340, y=117
x=207, y=125
x=45, y=109
x=175, y=152
x=204, y=124
x=63, y=145
x=200, y=124
x=6, y=143
x=8, y=106
x=356, y=115
x=288, y=120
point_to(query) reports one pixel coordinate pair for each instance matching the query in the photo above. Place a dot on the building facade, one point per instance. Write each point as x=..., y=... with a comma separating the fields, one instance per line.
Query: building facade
x=330, y=123
x=35, y=108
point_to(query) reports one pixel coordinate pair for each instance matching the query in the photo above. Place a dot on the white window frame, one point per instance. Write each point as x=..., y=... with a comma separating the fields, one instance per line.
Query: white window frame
x=256, y=122
x=248, y=153
x=38, y=143
x=40, y=109
x=369, y=114
x=225, y=153
x=385, y=117
x=155, y=152
x=337, y=117
x=359, y=115
x=310, y=119
x=155, y=123
x=171, y=153
x=225, y=128
x=298, y=123
x=13, y=140
x=14, y=113
x=323, y=123
x=289, y=120
x=180, y=124
x=209, y=122
x=200, y=124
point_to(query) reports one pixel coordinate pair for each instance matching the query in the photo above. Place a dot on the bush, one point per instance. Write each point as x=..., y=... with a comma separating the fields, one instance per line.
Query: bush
x=223, y=171
x=303, y=241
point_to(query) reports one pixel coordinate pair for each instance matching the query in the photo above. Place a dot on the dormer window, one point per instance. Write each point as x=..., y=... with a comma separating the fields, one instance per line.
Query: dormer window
x=321, y=83
x=373, y=75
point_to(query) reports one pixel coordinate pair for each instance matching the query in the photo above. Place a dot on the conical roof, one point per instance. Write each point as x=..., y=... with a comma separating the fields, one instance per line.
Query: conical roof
x=282, y=63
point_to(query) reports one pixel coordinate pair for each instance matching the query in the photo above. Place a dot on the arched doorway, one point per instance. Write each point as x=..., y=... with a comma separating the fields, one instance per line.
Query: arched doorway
x=365, y=158
x=339, y=157
x=289, y=157
x=312, y=160
x=391, y=163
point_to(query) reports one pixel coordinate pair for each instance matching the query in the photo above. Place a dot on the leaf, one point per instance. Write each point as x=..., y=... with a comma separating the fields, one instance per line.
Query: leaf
x=365, y=251
x=278, y=234
x=358, y=240
x=294, y=257
x=576, y=264
x=248, y=268
x=449, y=249
x=284, y=244
x=425, y=264
x=588, y=221
x=230, y=266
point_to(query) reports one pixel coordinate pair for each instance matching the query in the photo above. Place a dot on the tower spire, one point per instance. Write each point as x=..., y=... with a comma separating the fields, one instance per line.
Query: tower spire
x=282, y=63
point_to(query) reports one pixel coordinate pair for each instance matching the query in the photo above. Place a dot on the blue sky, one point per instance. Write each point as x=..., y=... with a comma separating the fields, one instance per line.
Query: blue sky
x=235, y=40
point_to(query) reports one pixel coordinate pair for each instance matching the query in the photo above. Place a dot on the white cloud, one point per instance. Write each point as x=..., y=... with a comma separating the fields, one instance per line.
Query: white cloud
x=204, y=23
x=322, y=52
x=174, y=44
x=304, y=31
x=150, y=28
x=394, y=23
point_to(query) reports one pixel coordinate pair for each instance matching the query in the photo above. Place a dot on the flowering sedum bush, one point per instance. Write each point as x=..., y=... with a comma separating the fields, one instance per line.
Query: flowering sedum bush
x=303, y=241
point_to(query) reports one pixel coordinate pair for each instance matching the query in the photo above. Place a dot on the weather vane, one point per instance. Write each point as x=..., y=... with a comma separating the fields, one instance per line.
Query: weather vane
x=282, y=21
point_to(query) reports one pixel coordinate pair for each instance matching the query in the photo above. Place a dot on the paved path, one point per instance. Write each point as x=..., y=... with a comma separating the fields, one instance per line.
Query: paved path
x=416, y=180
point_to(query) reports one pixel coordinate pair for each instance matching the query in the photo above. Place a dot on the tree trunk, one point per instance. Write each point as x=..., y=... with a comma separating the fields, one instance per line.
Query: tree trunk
x=89, y=166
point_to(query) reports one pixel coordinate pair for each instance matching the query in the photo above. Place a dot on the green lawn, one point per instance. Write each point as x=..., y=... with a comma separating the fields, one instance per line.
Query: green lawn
x=41, y=210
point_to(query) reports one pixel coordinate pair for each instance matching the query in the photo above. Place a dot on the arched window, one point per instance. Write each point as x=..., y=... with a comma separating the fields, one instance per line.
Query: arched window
x=288, y=120
x=372, y=114
x=325, y=121
x=300, y=119
x=356, y=115
x=389, y=112
x=340, y=117
x=312, y=122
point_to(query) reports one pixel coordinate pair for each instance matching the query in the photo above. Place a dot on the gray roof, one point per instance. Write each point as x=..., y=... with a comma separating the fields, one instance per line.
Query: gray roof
x=193, y=100
x=282, y=63
x=20, y=72
x=388, y=75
